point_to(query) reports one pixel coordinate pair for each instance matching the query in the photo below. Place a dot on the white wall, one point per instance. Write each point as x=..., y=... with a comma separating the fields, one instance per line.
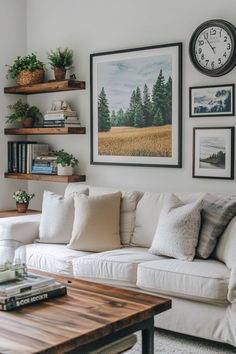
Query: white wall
x=90, y=26
x=12, y=43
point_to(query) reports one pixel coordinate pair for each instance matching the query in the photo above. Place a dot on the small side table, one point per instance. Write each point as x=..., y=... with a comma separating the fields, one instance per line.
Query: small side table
x=8, y=213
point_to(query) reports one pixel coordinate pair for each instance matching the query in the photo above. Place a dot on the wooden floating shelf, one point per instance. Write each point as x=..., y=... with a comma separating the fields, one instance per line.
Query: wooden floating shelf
x=45, y=131
x=51, y=86
x=44, y=177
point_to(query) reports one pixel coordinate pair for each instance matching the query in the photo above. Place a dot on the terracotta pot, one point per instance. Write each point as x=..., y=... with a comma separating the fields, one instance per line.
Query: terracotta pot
x=64, y=171
x=60, y=74
x=22, y=207
x=27, y=122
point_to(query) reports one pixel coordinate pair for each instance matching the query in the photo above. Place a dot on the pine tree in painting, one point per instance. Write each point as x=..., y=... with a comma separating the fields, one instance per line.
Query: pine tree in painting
x=158, y=118
x=139, y=121
x=159, y=96
x=131, y=110
x=168, y=88
x=104, y=122
x=147, y=107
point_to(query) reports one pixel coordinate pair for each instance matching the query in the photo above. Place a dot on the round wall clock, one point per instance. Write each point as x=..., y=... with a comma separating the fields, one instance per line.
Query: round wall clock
x=212, y=47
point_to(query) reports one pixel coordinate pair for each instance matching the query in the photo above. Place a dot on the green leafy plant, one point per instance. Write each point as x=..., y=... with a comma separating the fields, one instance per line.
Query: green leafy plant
x=61, y=58
x=29, y=62
x=66, y=159
x=21, y=196
x=21, y=110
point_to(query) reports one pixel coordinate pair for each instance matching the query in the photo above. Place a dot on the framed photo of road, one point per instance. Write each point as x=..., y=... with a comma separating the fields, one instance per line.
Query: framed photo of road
x=136, y=106
x=213, y=152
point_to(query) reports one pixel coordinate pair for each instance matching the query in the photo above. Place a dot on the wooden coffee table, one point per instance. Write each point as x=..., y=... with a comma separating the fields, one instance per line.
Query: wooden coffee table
x=89, y=317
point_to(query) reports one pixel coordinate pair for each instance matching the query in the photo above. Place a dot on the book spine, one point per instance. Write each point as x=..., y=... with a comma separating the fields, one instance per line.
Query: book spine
x=33, y=299
x=10, y=157
x=14, y=156
x=41, y=169
x=24, y=157
x=59, y=116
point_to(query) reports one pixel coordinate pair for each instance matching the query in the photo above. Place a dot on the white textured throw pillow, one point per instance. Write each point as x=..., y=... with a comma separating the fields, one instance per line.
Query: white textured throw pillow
x=178, y=229
x=57, y=218
x=97, y=223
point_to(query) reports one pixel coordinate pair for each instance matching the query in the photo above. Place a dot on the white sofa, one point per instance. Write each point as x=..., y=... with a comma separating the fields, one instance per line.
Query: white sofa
x=203, y=292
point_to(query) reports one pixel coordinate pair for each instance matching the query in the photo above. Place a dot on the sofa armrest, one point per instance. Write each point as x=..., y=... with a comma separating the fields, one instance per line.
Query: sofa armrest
x=20, y=228
x=232, y=285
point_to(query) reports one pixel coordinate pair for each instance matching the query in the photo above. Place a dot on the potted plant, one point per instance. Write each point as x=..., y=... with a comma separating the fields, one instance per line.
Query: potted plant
x=24, y=113
x=65, y=163
x=27, y=70
x=22, y=199
x=60, y=61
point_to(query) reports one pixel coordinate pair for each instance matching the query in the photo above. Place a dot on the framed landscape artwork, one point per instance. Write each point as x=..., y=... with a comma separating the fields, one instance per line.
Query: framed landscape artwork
x=136, y=106
x=213, y=152
x=211, y=101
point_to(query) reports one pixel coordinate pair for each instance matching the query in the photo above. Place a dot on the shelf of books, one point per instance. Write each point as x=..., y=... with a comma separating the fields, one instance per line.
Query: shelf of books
x=45, y=177
x=44, y=87
x=45, y=131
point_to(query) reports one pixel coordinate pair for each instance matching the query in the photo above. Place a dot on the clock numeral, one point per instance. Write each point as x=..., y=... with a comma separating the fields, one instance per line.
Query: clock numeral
x=225, y=55
x=202, y=56
x=220, y=31
x=212, y=64
x=212, y=32
x=225, y=38
x=207, y=61
x=205, y=34
x=228, y=46
x=199, y=50
x=200, y=42
x=219, y=61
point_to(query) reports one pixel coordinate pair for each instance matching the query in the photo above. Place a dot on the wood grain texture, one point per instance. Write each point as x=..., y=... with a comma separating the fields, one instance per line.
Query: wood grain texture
x=51, y=86
x=89, y=311
x=45, y=131
x=44, y=177
x=9, y=213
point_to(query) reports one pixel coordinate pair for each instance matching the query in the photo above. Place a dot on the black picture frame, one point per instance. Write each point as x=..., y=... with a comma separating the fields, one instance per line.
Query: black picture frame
x=213, y=152
x=205, y=96
x=99, y=63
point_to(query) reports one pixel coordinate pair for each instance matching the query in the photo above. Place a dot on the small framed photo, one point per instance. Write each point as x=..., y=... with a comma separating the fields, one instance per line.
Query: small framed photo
x=213, y=152
x=211, y=101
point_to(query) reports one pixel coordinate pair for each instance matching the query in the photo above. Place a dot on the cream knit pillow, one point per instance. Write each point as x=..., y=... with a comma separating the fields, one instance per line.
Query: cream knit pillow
x=96, y=225
x=178, y=229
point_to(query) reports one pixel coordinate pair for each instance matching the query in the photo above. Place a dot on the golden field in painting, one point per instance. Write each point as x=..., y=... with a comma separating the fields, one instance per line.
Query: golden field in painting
x=129, y=141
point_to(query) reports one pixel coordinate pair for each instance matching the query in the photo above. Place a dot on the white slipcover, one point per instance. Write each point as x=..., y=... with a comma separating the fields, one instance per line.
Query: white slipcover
x=201, y=280
x=49, y=257
x=119, y=265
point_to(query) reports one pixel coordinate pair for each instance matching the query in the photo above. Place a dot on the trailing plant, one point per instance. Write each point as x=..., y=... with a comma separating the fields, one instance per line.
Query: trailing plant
x=21, y=196
x=28, y=62
x=21, y=110
x=66, y=159
x=61, y=58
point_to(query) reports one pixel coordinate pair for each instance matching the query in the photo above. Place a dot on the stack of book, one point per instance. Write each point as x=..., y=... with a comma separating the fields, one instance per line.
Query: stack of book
x=61, y=118
x=31, y=289
x=21, y=155
x=45, y=163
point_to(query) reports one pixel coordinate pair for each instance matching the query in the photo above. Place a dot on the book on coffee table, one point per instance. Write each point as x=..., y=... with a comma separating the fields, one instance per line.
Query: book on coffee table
x=35, y=296
x=28, y=283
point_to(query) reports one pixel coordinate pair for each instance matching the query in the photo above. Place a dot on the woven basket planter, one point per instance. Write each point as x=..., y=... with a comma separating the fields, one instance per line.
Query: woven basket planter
x=22, y=207
x=26, y=77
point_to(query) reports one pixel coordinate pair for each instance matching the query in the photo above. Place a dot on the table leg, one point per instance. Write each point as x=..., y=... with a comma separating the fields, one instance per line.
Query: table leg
x=148, y=338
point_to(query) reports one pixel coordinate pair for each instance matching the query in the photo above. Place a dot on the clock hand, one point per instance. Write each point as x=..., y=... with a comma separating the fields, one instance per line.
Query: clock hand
x=213, y=48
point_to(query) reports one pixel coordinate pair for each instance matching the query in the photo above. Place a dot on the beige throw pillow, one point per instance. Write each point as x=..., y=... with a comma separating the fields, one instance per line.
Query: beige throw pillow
x=178, y=229
x=96, y=225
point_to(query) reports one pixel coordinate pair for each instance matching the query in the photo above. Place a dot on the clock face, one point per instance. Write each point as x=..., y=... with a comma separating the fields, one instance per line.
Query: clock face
x=212, y=47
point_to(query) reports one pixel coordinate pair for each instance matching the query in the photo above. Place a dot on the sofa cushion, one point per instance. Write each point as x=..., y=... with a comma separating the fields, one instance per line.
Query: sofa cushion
x=96, y=225
x=217, y=212
x=129, y=202
x=116, y=265
x=226, y=248
x=148, y=212
x=178, y=229
x=200, y=280
x=49, y=257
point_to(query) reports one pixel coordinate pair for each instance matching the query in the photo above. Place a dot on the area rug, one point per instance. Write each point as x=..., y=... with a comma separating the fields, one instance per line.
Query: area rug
x=174, y=343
